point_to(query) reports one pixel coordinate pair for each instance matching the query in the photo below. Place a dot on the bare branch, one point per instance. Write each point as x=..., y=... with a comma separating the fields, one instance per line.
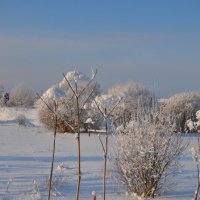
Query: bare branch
x=89, y=95
x=102, y=144
x=70, y=85
x=94, y=75
x=115, y=106
x=45, y=103
x=99, y=109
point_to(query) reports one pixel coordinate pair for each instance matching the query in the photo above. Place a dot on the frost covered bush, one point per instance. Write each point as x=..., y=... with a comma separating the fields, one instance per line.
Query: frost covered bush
x=145, y=153
x=194, y=125
x=133, y=95
x=66, y=116
x=182, y=107
x=21, y=96
x=53, y=98
x=67, y=110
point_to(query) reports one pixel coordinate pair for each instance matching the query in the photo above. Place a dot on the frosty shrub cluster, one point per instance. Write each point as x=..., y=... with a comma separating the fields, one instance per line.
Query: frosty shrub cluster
x=132, y=95
x=19, y=96
x=181, y=108
x=146, y=153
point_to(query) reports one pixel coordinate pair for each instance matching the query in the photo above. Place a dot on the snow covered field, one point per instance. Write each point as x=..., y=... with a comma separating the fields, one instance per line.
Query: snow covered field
x=25, y=157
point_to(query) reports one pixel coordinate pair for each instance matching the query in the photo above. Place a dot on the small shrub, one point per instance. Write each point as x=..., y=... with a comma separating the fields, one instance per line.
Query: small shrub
x=21, y=120
x=22, y=97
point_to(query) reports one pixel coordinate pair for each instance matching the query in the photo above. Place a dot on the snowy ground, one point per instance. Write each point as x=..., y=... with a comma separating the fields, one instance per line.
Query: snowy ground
x=25, y=156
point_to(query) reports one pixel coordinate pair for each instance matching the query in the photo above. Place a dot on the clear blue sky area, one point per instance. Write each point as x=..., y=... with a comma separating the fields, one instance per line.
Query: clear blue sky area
x=155, y=42
x=100, y=16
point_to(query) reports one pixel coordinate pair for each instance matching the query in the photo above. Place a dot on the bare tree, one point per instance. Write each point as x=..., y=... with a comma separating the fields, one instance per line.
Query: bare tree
x=70, y=109
x=146, y=153
x=106, y=116
x=53, y=96
x=80, y=102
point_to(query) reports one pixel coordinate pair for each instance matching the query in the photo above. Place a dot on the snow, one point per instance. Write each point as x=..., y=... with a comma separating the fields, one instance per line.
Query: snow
x=191, y=125
x=8, y=115
x=74, y=76
x=194, y=125
x=198, y=115
x=54, y=93
x=106, y=101
x=25, y=158
x=89, y=121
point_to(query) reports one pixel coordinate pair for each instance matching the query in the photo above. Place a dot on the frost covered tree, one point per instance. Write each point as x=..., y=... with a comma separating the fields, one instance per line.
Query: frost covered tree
x=134, y=95
x=66, y=117
x=146, y=153
x=67, y=107
x=21, y=96
x=182, y=107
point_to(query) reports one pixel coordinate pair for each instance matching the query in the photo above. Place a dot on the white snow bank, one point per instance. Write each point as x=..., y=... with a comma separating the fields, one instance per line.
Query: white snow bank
x=54, y=93
x=8, y=115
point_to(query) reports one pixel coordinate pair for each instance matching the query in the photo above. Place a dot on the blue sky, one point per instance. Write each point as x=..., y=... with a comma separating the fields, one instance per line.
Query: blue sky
x=153, y=42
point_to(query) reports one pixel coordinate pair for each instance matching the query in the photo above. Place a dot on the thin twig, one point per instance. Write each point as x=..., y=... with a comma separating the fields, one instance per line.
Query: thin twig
x=99, y=108
x=88, y=83
x=115, y=106
x=45, y=103
x=70, y=85
x=89, y=95
x=102, y=144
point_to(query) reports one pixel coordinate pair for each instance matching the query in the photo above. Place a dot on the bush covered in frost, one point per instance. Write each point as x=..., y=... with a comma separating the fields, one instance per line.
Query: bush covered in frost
x=22, y=97
x=132, y=95
x=146, y=152
x=182, y=107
